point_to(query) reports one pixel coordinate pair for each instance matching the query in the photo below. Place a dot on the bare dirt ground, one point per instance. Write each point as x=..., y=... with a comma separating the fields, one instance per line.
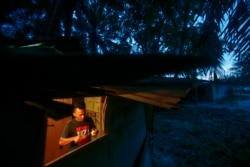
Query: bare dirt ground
x=203, y=134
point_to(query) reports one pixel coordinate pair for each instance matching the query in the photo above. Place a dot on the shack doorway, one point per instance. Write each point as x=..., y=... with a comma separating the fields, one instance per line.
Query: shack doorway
x=95, y=107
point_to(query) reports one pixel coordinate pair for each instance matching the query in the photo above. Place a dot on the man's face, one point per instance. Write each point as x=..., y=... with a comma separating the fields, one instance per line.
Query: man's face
x=79, y=114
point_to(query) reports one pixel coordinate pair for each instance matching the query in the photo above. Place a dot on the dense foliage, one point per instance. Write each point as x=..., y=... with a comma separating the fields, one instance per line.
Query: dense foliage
x=197, y=27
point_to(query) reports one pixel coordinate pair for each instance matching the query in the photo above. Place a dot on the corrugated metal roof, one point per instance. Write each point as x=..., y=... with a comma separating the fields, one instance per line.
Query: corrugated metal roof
x=157, y=91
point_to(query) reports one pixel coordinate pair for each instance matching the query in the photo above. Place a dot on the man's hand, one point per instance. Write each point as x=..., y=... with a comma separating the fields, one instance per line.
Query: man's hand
x=94, y=132
x=79, y=138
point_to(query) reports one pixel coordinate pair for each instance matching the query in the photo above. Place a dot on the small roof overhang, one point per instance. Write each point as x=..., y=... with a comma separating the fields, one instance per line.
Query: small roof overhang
x=158, y=91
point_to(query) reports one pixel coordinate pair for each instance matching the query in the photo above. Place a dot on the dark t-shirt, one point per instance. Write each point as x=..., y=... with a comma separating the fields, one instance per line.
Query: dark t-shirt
x=74, y=128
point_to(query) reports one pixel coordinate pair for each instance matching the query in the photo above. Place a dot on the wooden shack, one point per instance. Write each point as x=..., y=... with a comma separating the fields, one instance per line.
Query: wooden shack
x=120, y=91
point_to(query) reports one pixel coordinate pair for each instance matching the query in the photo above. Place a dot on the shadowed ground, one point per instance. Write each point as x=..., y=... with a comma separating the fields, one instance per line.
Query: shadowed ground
x=203, y=134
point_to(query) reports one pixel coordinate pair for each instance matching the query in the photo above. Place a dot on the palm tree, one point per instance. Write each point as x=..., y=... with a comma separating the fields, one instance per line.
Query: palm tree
x=225, y=29
x=237, y=33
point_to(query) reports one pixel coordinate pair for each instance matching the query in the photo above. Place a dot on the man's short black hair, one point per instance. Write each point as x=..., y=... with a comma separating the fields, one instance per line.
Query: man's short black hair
x=79, y=104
